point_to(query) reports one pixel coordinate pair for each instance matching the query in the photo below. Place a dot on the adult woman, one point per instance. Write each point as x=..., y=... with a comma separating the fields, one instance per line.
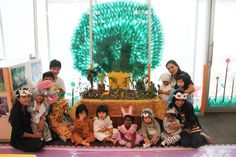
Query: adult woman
x=191, y=135
x=175, y=71
x=22, y=136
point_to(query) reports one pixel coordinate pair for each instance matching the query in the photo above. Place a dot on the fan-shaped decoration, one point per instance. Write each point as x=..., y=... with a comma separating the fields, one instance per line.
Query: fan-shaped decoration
x=120, y=38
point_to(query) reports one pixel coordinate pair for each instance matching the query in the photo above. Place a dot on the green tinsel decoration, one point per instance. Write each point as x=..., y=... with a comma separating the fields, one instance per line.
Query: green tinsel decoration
x=120, y=38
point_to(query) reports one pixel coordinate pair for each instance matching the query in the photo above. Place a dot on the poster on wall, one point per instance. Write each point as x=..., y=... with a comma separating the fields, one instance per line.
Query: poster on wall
x=2, y=86
x=18, y=77
x=36, y=71
x=4, y=108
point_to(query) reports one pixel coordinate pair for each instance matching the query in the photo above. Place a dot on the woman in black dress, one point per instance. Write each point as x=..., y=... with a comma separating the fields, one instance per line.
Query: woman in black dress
x=22, y=136
x=192, y=134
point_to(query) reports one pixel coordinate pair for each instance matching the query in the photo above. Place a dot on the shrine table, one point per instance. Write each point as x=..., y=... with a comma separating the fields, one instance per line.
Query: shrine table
x=114, y=106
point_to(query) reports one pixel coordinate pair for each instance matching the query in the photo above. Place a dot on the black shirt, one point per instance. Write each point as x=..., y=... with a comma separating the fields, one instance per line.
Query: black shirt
x=186, y=115
x=20, y=122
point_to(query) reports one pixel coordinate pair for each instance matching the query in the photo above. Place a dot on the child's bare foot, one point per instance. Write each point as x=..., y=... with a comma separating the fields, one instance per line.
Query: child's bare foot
x=85, y=143
x=129, y=145
x=63, y=138
x=113, y=141
x=72, y=140
x=207, y=137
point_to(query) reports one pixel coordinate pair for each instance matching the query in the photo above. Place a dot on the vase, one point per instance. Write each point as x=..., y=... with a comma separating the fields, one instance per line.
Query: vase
x=101, y=87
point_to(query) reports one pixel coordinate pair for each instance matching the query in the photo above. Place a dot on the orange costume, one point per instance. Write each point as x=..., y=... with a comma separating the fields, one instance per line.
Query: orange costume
x=57, y=119
x=83, y=130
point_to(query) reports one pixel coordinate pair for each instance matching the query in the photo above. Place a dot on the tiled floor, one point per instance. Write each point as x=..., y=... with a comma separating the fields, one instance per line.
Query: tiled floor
x=220, y=126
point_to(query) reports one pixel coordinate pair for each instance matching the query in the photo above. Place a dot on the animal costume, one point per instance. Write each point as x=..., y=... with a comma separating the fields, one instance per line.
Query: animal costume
x=128, y=133
x=170, y=136
x=165, y=88
x=57, y=120
x=148, y=131
x=83, y=130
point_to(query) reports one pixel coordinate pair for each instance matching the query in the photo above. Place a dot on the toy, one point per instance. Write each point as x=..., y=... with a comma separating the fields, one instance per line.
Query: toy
x=49, y=91
x=57, y=120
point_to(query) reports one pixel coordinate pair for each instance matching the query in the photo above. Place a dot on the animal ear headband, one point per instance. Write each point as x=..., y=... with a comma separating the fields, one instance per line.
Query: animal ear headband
x=24, y=92
x=181, y=96
x=130, y=110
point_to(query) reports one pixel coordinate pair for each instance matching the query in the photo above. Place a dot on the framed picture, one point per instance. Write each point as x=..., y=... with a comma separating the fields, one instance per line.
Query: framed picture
x=18, y=75
x=36, y=71
x=5, y=105
x=2, y=86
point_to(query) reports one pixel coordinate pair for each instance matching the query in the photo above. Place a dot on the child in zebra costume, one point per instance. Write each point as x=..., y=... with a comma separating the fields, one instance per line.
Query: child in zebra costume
x=170, y=136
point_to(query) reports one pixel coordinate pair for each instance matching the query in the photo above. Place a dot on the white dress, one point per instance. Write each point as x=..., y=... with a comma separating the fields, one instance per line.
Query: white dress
x=99, y=124
x=164, y=97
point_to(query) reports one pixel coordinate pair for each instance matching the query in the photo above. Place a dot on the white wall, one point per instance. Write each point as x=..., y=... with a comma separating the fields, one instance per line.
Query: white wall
x=17, y=19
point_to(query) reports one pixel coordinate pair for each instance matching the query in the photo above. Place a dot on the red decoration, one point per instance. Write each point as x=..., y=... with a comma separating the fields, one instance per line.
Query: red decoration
x=227, y=60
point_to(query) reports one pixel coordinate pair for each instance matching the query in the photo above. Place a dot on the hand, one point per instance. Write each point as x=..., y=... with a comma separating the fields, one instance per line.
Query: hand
x=41, y=125
x=79, y=123
x=103, y=130
x=110, y=130
x=37, y=134
x=174, y=126
x=37, y=107
x=160, y=91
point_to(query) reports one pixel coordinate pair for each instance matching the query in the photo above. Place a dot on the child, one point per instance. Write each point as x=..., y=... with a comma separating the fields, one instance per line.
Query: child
x=127, y=134
x=55, y=67
x=191, y=135
x=170, y=135
x=181, y=84
x=164, y=89
x=83, y=127
x=39, y=110
x=150, y=128
x=102, y=125
x=48, y=76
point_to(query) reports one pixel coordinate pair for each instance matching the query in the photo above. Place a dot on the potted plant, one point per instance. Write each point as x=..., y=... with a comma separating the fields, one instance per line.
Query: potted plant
x=91, y=76
x=101, y=78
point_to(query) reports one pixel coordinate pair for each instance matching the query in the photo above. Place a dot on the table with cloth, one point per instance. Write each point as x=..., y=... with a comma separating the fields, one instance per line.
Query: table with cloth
x=159, y=108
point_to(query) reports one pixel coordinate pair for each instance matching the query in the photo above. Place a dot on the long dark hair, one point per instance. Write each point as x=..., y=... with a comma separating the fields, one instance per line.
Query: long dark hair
x=81, y=108
x=184, y=78
x=172, y=104
x=175, y=63
x=16, y=105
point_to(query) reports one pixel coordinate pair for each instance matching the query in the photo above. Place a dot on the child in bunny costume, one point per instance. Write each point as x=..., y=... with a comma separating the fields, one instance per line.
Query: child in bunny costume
x=128, y=135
